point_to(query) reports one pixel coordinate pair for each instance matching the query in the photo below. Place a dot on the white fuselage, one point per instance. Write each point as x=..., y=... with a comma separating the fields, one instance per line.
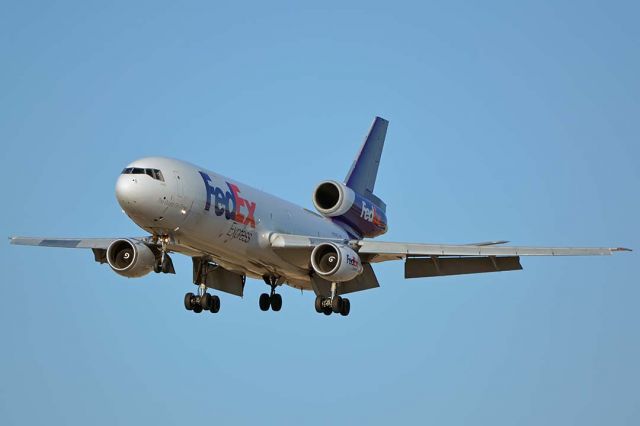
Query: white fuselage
x=203, y=213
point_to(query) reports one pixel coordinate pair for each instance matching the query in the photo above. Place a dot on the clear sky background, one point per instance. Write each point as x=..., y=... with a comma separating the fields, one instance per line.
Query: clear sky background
x=508, y=120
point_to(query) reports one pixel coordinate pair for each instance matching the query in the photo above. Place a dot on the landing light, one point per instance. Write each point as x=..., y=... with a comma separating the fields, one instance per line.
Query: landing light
x=183, y=211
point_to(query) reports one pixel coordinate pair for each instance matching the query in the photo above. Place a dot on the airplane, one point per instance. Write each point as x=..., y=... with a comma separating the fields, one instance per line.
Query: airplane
x=233, y=231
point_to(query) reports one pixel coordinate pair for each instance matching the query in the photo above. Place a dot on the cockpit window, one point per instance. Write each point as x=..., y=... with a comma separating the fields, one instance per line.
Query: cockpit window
x=153, y=173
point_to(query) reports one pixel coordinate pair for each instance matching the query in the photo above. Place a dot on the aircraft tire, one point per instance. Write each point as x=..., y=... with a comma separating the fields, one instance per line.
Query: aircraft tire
x=318, y=304
x=346, y=307
x=188, y=301
x=336, y=304
x=327, y=311
x=205, y=301
x=276, y=302
x=197, y=309
x=214, y=307
x=264, y=302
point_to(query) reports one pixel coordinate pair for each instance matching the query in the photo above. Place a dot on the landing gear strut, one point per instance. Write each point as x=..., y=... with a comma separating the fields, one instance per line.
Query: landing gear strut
x=272, y=300
x=164, y=264
x=334, y=304
x=202, y=301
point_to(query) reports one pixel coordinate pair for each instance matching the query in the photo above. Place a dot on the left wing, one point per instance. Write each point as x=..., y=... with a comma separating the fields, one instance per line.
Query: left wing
x=430, y=260
x=433, y=260
x=380, y=251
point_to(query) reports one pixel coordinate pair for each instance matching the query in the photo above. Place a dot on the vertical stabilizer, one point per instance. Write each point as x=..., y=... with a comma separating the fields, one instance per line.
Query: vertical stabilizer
x=362, y=175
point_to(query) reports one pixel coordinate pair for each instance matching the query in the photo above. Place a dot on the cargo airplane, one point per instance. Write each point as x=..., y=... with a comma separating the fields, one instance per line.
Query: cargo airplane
x=233, y=231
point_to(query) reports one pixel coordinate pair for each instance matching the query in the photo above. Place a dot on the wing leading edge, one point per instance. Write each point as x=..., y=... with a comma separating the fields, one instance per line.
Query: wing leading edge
x=85, y=243
x=380, y=251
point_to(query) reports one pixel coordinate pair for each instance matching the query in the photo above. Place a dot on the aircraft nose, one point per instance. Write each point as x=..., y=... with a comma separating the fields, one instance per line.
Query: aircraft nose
x=132, y=195
x=125, y=191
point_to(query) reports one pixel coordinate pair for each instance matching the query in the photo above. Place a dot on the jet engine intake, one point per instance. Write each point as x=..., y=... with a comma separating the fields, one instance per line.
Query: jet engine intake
x=130, y=258
x=357, y=214
x=335, y=262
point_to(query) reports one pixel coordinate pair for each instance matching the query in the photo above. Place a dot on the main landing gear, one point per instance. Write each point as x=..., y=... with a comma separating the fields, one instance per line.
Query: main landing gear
x=272, y=300
x=203, y=301
x=334, y=304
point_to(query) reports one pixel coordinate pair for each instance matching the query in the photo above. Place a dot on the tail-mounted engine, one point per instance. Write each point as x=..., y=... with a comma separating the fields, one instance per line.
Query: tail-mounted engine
x=130, y=258
x=335, y=262
x=342, y=204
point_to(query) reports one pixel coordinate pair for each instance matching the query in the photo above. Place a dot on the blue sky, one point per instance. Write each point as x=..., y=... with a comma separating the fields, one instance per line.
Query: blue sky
x=509, y=120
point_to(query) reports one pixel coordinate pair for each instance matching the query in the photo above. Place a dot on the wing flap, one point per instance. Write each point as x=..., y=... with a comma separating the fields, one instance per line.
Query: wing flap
x=420, y=267
x=365, y=281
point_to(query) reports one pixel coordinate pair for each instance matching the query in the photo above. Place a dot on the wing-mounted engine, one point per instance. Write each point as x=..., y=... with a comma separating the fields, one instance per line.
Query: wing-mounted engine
x=130, y=258
x=342, y=204
x=335, y=262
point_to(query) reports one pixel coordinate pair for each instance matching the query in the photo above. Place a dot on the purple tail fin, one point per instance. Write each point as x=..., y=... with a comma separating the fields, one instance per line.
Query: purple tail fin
x=362, y=175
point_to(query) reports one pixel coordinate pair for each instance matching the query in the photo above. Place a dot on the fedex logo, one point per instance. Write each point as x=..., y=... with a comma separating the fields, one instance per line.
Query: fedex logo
x=229, y=203
x=367, y=213
x=351, y=260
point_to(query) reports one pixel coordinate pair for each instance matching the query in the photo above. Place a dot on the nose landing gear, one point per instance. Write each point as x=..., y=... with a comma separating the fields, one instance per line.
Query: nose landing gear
x=164, y=263
x=272, y=300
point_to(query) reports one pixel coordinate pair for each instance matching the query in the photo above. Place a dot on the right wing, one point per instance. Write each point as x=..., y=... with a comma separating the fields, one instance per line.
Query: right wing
x=92, y=243
x=99, y=246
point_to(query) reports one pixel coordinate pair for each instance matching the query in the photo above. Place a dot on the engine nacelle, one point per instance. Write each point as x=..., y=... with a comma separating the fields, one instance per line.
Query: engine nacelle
x=335, y=262
x=341, y=203
x=130, y=258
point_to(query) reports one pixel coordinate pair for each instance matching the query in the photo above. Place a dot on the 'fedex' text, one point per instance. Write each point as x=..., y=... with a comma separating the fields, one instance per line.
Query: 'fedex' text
x=229, y=203
x=367, y=213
